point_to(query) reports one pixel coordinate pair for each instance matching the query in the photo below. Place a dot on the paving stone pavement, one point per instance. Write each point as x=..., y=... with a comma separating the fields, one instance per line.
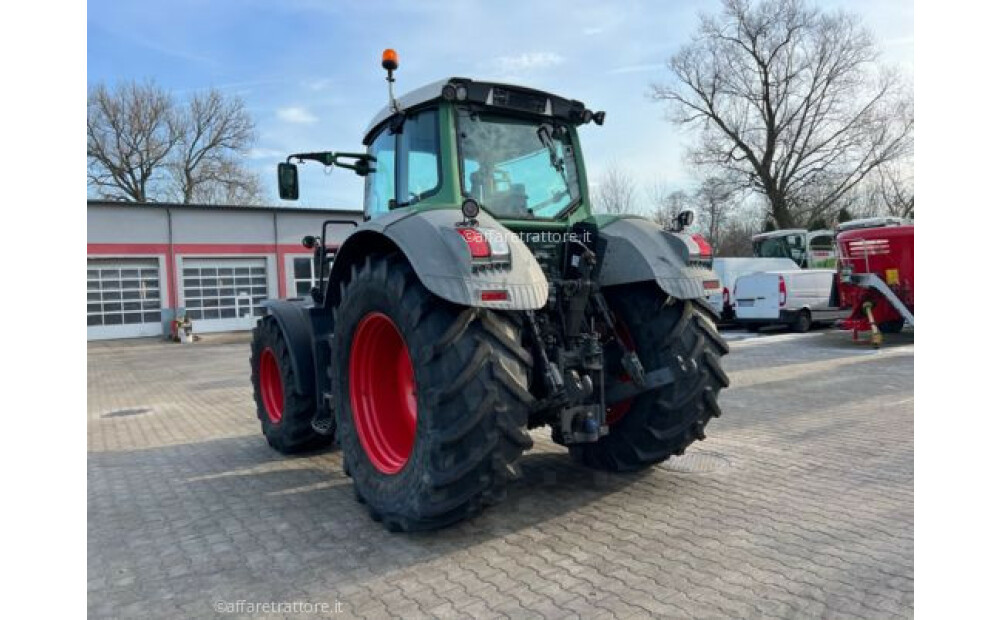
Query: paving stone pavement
x=798, y=505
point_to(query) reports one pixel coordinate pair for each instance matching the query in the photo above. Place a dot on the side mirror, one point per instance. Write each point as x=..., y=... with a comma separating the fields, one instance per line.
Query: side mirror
x=684, y=219
x=288, y=181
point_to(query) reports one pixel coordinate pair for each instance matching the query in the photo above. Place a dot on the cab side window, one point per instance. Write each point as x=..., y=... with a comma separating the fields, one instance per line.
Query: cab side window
x=420, y=157
x=380, y=186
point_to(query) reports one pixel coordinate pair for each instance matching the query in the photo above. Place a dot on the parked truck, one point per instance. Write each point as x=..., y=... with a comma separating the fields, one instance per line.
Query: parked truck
x=481, y=298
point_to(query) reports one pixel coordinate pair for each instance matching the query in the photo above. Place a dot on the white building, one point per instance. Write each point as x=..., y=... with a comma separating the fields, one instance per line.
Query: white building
x=148, y=262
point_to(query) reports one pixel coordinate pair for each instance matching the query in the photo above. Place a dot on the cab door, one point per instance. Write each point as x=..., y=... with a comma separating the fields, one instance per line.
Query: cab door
x=407, y=156
x=380, y=186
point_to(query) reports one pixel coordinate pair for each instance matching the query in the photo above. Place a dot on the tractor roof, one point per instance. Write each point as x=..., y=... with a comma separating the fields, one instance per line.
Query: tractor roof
x=509, y=97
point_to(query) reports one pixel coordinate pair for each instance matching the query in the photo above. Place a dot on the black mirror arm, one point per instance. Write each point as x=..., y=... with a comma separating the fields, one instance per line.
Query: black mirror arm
x=361, y=164
x=324, y=157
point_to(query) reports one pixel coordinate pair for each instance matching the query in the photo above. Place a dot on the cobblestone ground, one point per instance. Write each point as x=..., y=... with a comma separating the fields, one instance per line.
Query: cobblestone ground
x=799, y=504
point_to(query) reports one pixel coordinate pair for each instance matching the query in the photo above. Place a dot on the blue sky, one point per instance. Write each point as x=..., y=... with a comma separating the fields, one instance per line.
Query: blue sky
x=309, y=71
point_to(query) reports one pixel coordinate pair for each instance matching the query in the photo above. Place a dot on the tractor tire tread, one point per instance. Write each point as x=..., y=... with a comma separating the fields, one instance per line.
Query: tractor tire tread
x=664, y=422
x=294, y=434
x=473, y=410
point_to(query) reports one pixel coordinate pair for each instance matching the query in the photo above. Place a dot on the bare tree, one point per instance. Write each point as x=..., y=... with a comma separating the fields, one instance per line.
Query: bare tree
x=214, y=132
x=141, y=146
x=785, y=96
x=228, y=184
x=887, y=191
x=735, y=234
x=616, y=192
x=895, y=183
x=667, y=203
x=131, y=132
x=715, y=202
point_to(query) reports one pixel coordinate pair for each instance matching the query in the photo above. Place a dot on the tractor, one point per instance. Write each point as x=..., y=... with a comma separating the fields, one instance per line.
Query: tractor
x=480, y=298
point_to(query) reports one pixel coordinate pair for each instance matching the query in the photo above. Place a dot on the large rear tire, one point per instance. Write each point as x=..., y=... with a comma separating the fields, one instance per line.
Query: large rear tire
x=285, y=414
x=432, y=398
x=662, y=422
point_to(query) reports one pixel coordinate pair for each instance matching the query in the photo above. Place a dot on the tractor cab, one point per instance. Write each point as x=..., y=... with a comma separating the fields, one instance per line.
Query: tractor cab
x=513, y=150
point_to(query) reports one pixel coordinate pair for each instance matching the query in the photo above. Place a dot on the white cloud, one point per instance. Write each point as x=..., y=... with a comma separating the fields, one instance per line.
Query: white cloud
x=528, y=61
x=295, y=114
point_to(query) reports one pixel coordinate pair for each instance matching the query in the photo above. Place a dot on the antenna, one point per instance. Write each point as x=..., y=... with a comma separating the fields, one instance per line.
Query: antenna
x=390, y=62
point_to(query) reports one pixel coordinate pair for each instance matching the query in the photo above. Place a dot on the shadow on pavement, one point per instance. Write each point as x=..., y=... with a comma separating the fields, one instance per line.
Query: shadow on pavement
x=225, y=500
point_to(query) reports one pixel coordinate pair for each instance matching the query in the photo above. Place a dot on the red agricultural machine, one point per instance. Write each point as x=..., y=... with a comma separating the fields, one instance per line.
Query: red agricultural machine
x=876, y=275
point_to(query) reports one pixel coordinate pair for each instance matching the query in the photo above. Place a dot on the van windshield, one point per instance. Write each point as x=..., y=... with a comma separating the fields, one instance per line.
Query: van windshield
x=519, y=169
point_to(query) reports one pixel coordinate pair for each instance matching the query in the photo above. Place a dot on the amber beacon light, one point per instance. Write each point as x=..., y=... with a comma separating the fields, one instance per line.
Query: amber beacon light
x=390, y=60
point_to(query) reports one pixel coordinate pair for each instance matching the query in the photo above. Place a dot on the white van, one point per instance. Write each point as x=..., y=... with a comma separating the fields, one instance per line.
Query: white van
x=797, y=298
x=729, y=269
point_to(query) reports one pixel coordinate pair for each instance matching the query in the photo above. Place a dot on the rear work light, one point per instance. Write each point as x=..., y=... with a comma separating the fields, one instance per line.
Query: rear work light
x=486, y=245
x=479, y=247
x=782, y=291
x=710, y=285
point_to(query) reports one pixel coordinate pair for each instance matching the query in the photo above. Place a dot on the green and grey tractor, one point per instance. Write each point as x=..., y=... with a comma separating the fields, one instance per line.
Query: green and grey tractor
x=481, y=297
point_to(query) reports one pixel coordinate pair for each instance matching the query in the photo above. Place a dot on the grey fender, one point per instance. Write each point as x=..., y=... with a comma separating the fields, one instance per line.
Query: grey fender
x=639, y=250
x=303, y=325
x=441, y=259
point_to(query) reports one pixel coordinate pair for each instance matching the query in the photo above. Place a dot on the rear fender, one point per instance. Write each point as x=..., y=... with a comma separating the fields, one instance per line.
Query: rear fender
x=638, y=250
x=442, y=261
x=305, y=328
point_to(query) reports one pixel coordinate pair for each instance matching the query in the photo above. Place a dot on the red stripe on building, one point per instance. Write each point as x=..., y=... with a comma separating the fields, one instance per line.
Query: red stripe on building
x=194, y=248
x=279, y=250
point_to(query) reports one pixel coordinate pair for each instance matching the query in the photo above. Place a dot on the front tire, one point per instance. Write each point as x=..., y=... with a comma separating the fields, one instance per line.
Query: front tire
x=285, y=414
x=432, y=398
x=664, y=421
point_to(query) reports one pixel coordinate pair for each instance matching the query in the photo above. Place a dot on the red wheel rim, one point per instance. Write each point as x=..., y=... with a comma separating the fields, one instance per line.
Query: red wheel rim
x=614, y=413
x=383, y=393
x=271, y=390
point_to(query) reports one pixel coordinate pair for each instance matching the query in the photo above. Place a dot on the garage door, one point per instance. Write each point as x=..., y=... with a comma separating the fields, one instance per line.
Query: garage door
x=123, y=298
x=224, y=294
